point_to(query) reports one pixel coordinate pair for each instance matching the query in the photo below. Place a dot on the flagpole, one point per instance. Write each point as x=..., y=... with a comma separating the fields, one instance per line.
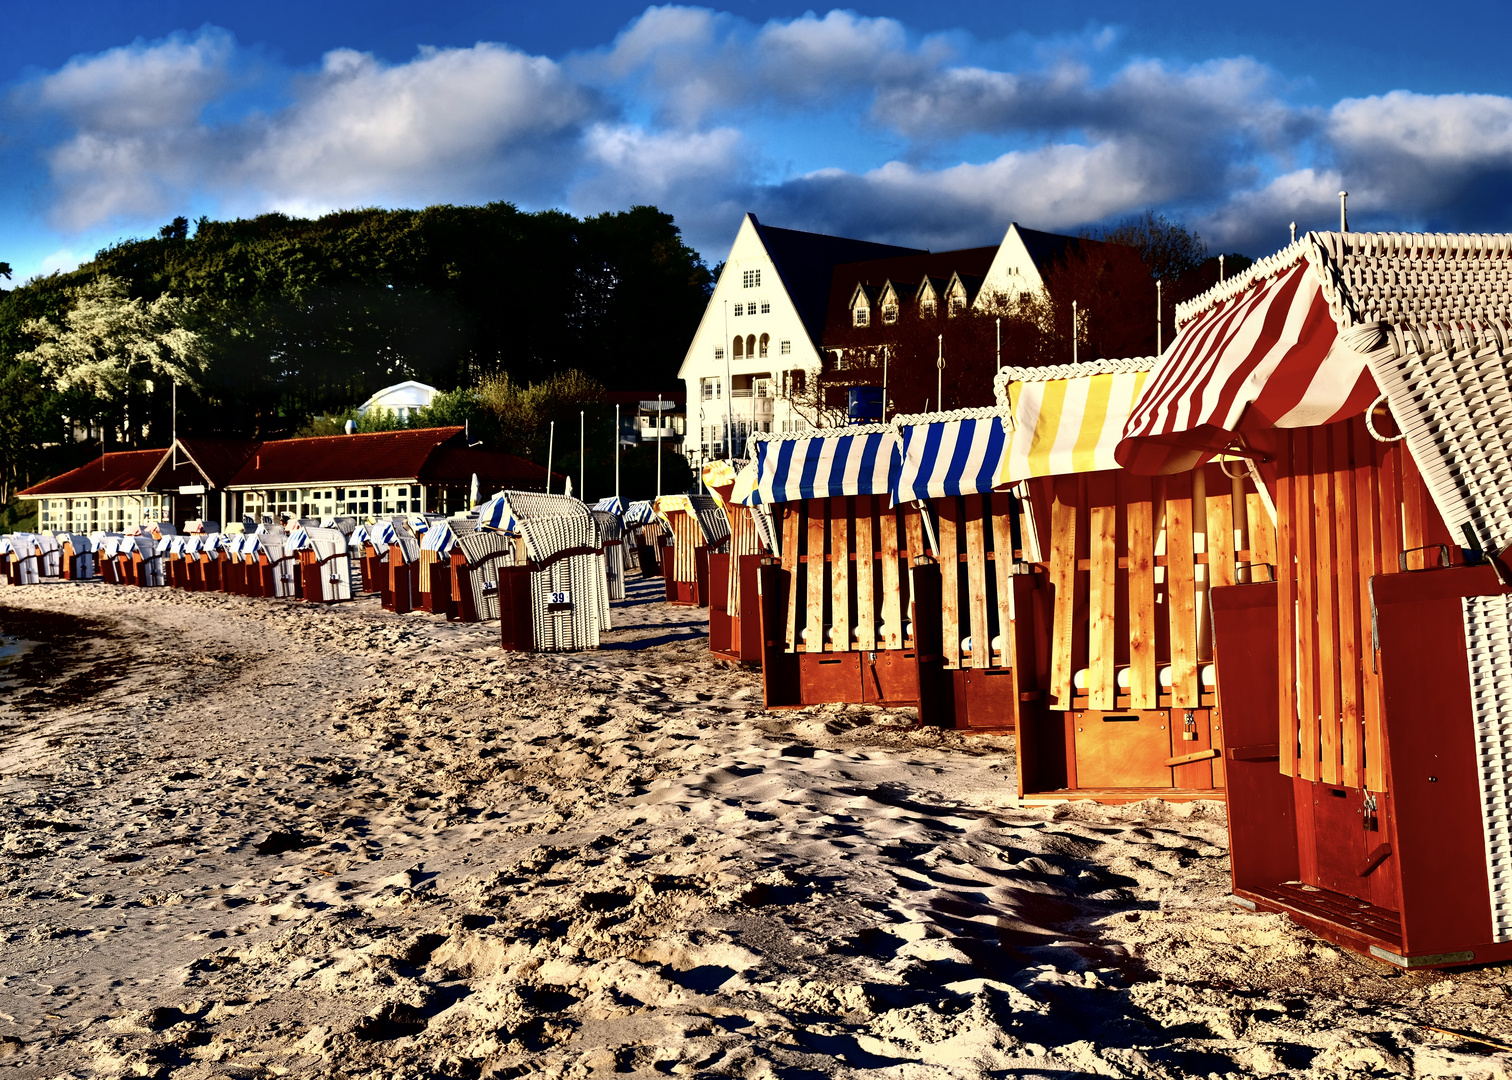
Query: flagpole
x=582, y=460
x=550, y=445
x=616, y=451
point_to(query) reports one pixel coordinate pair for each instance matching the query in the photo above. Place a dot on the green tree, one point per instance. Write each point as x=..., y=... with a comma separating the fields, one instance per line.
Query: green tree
x=118, y=350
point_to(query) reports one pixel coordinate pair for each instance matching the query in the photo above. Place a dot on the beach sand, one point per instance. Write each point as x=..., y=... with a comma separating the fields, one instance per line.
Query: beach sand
x=246, y=838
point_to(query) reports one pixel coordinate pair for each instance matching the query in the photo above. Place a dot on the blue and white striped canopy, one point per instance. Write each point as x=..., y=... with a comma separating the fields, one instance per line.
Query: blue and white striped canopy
x=949, y=456
x=640, y=513
x=418, y=525
x=440, y=538
x=248, y=545
x=612, y=505
x=387, y=534
x=841, y=462
x=359, y=537
x=495, y=514
x=299, y=540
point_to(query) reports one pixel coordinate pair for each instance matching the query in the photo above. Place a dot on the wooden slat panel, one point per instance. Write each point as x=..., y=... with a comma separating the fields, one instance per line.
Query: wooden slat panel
x=1305, y=618
x=791, y=531
x=1346, y=554
x=1327, y=612
x=950, y=577
x=892, y=606
x=1102, y=590
x=913, y=531
x=1368, y=544
x=1002, y=566
x=840, y=573
x=1063, y=579
x=1180, y=581
x=975, y=528
x=866, y=573
x=1262, y=534
x=1141, y=534
x=1414, y=514
x=1286, y=611
x=1220, y=539
x=976, y=581
x=813, y=612
x=1389, y=479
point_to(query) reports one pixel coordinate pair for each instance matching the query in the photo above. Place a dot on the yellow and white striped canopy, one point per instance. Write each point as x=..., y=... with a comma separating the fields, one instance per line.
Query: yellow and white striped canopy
x=1068, y=418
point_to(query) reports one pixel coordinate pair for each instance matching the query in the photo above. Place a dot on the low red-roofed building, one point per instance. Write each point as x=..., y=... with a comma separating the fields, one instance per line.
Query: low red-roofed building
x=423, y=470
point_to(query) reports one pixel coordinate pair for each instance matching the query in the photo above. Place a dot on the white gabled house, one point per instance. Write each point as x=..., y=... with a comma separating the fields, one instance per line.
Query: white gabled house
x=759, y=340
x=761, y=337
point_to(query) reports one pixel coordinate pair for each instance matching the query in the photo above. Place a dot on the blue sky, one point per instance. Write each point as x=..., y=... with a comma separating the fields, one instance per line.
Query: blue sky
x=927, y=124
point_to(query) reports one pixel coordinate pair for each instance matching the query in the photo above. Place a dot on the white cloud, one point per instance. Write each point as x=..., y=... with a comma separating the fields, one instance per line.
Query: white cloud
x=58, y=262
x=1260, y=220
x=690, y=63
x=141, y=88
x=1054, y=187
x=448, y=123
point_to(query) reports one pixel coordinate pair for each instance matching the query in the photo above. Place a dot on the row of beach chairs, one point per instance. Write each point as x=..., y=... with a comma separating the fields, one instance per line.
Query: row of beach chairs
x=545, y=566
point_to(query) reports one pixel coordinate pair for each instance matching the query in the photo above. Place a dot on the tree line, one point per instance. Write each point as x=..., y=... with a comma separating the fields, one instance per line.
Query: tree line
x=268, y=324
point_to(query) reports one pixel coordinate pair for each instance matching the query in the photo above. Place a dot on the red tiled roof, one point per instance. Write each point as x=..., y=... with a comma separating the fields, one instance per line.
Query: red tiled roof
x=125, y=470
x=383, y=455
x=909, y=270
x=456, y=464
x=218, y=459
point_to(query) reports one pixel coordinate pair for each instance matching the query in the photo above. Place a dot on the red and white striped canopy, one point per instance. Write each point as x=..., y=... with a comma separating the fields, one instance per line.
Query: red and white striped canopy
x=1262, y=358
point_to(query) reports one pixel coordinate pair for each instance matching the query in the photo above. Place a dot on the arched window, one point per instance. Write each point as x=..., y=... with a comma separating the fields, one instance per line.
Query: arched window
x=765, y=344
x=739, y=347
x=750, y=346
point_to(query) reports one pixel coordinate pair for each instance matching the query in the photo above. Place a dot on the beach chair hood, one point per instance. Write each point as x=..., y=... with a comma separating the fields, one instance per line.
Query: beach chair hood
x=704, y=509
x=818, y=464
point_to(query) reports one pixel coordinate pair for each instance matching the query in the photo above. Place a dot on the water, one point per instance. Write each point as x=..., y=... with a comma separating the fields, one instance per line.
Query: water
x=13, y=648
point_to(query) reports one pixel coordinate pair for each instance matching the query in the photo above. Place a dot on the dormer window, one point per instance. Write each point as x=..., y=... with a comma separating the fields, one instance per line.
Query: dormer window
x=957, y=305
x=889, y=313
x=927, y=307
x=861, y=315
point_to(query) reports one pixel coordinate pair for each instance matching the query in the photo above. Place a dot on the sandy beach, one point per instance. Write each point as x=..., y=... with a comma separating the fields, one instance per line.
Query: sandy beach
x=250, y=838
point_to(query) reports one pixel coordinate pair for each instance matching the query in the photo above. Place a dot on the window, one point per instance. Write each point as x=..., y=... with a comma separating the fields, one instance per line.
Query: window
x=786, y=349
x=927, y=308
x=957, y=305
x=719, y=352
x=765, y=345
x=861, y=316
x=751, y=279
x=766, y=307
x=739, y=310
x=889, y=313
x=796, y=381
x=739, y=347
x=750, y=346
x=710, y=389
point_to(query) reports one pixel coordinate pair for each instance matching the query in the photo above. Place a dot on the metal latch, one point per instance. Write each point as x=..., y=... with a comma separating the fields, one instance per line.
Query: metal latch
x=1372, y=822
x=1189, y=726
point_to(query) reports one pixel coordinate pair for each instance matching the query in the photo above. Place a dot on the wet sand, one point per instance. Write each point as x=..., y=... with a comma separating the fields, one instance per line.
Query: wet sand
x=253, y=838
